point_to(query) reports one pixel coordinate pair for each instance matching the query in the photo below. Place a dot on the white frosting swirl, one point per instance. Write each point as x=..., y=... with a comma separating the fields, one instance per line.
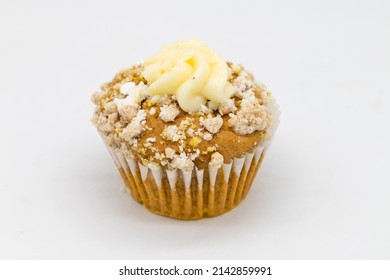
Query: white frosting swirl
x=190, y=71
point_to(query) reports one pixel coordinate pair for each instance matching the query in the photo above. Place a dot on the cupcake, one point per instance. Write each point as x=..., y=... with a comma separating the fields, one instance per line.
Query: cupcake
x=186, y=129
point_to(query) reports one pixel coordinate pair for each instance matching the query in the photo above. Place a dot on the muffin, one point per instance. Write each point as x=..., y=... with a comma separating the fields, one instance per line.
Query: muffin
x=186, y=129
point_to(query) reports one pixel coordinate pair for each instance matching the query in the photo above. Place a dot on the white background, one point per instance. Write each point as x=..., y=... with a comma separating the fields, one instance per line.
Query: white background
x=323, y=191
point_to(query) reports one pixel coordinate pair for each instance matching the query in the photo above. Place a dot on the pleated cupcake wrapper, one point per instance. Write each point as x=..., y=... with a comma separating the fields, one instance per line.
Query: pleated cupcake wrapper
x=197, y=193
x=147, y=186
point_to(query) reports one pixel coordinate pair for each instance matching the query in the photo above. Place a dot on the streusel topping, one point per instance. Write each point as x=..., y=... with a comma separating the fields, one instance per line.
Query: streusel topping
x=156, y=130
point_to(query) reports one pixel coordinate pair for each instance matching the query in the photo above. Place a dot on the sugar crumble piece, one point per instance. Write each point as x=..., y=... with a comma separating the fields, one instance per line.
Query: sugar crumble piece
x=131, y=130
x=190, y=132
x=142, y=151
x=195, y=141
x=236, y=68
x=151, y=140
x=110, y=107
x=227, y=107
x=216, y=160
x=127, y=107
x=195, y=155
x=182, y=162
x=102, y=122
x=169, y=153
x=213, y=105
x=135, y=127
x=128, y=112
x=212, y=124
x=207, y=136
x=168, y=113
x=204, y=109
x=160, y=100
x=96, y=97
x=138, y=92
x=250, y=118
x=248, y=103
x=126, y=88
x=172, y=133
x=211, y=149
x=243, y=85
x=185, y=123
x=152, y=111
x=148, y=145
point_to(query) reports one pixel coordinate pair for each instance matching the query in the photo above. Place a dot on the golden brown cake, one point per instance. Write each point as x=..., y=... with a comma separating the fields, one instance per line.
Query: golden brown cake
x=187, y=130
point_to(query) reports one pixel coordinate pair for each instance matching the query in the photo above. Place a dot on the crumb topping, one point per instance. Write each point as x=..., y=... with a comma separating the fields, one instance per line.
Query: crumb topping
x=155, y=130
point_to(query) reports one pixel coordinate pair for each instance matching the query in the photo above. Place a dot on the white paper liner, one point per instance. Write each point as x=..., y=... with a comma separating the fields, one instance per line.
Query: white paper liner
x=172, y=177
x=227, y=167
x=199, y=177
x=237, y=165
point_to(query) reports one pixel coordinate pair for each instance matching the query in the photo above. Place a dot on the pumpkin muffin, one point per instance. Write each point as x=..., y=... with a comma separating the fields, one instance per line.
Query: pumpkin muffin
x=187, y=130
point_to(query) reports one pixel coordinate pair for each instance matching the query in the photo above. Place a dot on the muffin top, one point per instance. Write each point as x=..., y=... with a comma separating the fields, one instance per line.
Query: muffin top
x=183, y=107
